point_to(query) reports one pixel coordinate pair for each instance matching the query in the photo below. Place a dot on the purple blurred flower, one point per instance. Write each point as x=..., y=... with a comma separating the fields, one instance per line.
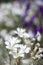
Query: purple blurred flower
x=31, y=32
x=27, y=7
x=41, y=9
x=25, y=24
x=29, y=22
x=39, y=3
x=39, y=28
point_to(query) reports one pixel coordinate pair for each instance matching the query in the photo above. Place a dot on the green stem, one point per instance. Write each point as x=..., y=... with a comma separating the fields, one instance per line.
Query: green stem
x=10, y=60
x=18, y=61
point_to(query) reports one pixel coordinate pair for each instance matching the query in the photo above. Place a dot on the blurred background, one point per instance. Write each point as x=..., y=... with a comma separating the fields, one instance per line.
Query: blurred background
x=20, y=13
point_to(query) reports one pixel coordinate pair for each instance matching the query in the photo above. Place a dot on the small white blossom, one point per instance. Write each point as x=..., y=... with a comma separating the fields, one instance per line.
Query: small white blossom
x=24, y=49
x=16, y=55
x=38, y=36
x=21, y=33
x=11, y=42
x=26, y=35
x=31, y=34
x=19, y=50
x=27, y=50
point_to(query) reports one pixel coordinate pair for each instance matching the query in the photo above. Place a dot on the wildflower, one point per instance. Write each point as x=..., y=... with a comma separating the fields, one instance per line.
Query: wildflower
x=30, y=15
x=27, y=8
x=11, y=42
x=38, y=36
x=21, y=33
x=21, y=51
x=25, y=49
x=31, y=33
x=39, y=4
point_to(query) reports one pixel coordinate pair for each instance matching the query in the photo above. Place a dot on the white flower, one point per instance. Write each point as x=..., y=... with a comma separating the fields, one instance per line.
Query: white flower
x=11, y=42
x=13, y=51
x=27, y=50
x=16, y=52
x=31, y=34
x=38, y=36
x=24, y=49
x=18, y=55
x=19, y=50
x=26, y=35
x=21, y=33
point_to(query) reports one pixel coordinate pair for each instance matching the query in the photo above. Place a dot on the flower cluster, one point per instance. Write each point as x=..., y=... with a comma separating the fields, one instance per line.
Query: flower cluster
x=21, y=43
x=14, y=44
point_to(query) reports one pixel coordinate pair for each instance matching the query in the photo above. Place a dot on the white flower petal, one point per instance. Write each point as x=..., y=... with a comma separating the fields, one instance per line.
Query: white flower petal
x=15, y=32
x=38, y=36
x=7, y=43
x=7, y=47
x=17, y=46
x=27, y=50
